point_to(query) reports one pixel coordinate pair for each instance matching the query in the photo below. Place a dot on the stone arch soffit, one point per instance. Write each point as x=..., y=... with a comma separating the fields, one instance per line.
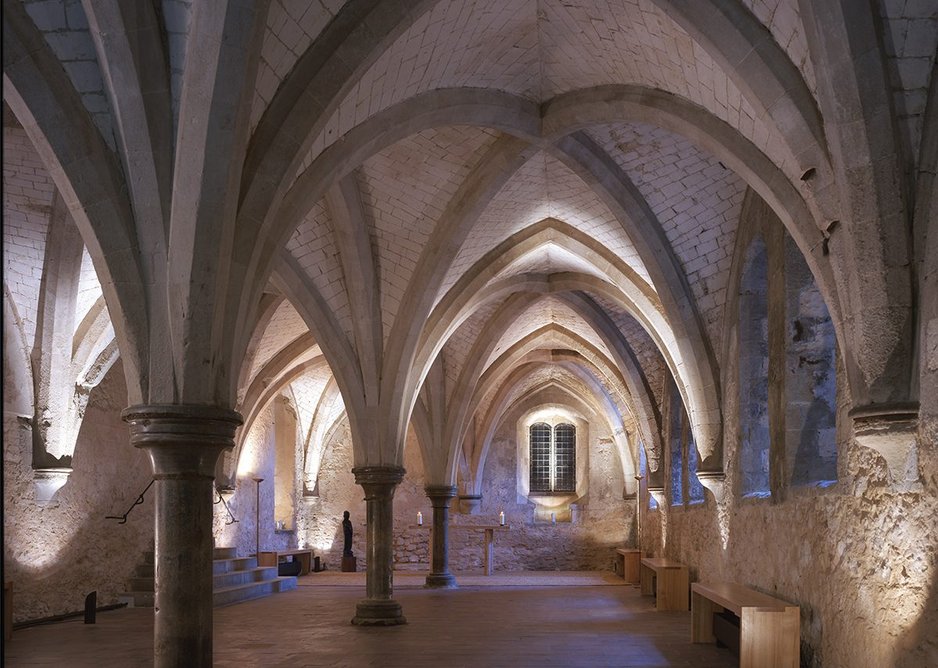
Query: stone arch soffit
x=531, y=401
x=94, y=346
x=477, y=286
x=262, y=395
x=572, y=112
x=314, y=447
x=760, y=68
x=315, y=312
x=18, y=394
x=89, y=178
x=566, y=115
x=266, y=310
x=536, y=347
x=421, y=423
x=602, y=407
x=563, y=285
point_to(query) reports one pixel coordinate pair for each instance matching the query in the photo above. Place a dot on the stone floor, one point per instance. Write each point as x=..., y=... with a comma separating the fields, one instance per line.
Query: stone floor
x=508, y=622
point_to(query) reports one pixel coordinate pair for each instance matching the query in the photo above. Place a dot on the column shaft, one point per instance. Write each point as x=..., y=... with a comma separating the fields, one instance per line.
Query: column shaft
x=183, y=443
x=379, y=609
x=440, y=499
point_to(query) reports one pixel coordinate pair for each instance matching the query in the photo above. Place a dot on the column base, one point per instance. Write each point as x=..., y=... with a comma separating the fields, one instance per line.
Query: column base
x=441, y=581
x=378, y=613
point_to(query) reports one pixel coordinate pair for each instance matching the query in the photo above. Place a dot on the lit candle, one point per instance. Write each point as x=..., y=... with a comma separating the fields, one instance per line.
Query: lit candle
x=553, y=518
x=501, y=518
x=419, y=519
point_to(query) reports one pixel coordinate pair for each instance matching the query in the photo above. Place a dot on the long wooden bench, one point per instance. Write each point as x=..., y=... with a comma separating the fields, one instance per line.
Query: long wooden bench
x=630, y=564
x=769, y=631
x=273, y=558
x=669, y=579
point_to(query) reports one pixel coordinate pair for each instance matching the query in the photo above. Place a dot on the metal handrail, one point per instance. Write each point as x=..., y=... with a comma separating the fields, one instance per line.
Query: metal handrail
x=123, y=518
x=232, y=519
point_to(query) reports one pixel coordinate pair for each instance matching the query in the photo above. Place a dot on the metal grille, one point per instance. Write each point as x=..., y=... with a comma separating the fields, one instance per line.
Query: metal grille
x=564, y=458
x=540, y=457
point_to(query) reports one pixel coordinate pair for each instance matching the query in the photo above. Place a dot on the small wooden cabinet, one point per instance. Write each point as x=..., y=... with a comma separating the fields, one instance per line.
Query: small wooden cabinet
x=273, y=558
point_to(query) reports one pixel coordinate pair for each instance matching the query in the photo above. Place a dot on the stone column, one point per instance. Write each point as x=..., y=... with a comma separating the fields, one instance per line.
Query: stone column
x=440, y=498
x=379, y=609
x=183, y=442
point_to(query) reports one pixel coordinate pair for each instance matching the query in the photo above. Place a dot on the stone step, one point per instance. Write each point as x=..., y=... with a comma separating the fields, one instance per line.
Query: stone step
x=137, y=599
x=252, y=590
x=233, y=564
x=145, y=570
x=233, y=578
x=224, y=552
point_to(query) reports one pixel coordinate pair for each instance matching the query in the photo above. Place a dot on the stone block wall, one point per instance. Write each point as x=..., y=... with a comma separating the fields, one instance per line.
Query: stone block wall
x=59, y=551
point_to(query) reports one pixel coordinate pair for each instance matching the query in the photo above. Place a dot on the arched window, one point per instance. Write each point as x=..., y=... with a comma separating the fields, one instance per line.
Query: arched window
x=754, y=373
x=553, y=458
x=810, y=377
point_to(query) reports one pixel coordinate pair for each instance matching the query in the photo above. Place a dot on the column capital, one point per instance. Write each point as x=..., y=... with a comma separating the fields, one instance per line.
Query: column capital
x=182, y=439
x=442, y=491
x=378, y=475
x=892, y=431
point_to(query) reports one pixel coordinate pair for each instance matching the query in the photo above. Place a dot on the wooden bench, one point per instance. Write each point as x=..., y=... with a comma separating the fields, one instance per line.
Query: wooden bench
x=273, y=558
x=631, y=564
x=769, y=632
x=669, y=579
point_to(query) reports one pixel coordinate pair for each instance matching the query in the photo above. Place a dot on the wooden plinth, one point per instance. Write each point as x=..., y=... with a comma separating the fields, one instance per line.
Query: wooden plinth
x=349, y=564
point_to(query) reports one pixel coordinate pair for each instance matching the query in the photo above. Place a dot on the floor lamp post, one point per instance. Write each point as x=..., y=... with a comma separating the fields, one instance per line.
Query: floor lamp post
x=257, y=518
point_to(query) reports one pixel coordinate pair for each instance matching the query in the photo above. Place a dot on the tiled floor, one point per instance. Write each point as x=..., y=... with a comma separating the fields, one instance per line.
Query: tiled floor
x=548, y=624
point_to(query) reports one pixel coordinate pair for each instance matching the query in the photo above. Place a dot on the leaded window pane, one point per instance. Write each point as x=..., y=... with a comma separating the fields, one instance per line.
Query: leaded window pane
x=565, y=458
x=540, y=457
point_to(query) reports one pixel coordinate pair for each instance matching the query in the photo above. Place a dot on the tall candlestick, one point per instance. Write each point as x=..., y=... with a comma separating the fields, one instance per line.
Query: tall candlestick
x=419, y=519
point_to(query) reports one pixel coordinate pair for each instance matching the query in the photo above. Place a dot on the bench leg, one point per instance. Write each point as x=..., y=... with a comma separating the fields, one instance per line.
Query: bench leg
x=770, y=638
x=645, y=578
x=701, y=618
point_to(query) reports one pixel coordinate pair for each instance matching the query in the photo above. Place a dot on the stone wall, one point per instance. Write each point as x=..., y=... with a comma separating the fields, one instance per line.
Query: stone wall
x=602, y=522
x=57, y=552
x=858, y=557
x=604, y=519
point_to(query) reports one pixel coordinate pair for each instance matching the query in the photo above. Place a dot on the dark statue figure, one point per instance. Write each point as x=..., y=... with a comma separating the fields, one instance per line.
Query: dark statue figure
x=347, y=530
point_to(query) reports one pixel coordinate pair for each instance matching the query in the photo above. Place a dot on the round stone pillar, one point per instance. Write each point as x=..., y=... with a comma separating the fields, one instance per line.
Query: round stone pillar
x=440, y=498
x=183, y=442
x=379, y=609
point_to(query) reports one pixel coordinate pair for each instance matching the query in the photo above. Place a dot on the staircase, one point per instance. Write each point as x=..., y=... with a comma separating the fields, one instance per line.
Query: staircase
x=239, y=579
x=235, y=579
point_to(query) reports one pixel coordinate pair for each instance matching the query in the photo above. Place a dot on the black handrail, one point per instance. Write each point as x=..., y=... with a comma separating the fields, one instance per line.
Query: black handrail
x=123, y=518
x=232, y=519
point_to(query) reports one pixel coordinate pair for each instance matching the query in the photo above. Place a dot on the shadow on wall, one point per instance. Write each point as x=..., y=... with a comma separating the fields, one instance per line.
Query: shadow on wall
x=919, y=645
x=57, y=553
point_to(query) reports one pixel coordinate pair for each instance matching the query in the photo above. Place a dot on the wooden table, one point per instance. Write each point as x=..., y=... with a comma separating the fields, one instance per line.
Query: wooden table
x=489, y=541
x=272, y=558
x=672, y=583
x=631, y=564
x=770, y=629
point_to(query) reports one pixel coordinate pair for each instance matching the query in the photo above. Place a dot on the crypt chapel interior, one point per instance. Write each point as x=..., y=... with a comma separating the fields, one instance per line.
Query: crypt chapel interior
x=647, y=274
